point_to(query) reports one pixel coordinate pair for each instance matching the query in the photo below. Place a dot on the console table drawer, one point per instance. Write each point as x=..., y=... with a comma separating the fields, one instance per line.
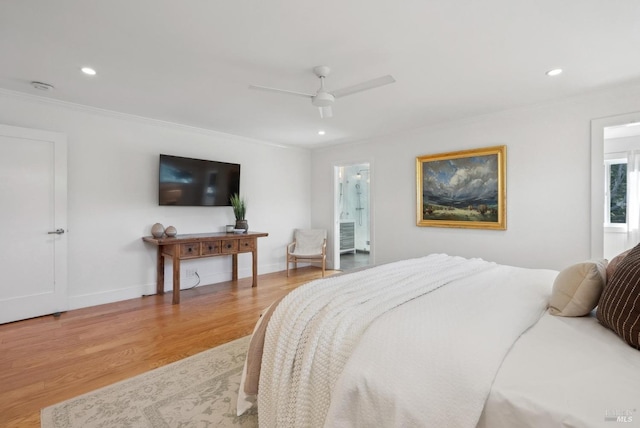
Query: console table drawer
x=229, y=247
x=189, y=250
x=246, y=245
x=210, y=248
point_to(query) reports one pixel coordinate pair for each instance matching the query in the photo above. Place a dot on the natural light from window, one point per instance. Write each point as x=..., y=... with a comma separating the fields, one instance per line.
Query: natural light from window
x=616, y=192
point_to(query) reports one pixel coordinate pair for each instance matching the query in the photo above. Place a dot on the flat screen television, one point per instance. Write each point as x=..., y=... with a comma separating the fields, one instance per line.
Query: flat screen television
x=197, y=182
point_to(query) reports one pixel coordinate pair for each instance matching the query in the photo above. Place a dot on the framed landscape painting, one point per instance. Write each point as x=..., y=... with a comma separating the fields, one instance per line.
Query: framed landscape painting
x=462, y=189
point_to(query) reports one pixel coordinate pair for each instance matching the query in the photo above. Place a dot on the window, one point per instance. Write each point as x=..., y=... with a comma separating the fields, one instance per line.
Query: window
x=616, y=192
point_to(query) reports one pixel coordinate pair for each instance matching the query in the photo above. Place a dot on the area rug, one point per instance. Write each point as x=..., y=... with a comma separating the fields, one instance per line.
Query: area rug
x=199, y=391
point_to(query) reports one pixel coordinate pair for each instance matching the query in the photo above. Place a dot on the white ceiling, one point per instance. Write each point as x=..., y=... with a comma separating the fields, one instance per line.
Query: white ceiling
x=191, y=61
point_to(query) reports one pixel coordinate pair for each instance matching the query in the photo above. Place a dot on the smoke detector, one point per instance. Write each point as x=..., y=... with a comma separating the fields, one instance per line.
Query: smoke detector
x=42, y=86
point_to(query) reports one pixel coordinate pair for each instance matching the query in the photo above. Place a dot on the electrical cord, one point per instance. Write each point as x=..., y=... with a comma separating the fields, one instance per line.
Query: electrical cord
x=197, y=283
x=188, y=288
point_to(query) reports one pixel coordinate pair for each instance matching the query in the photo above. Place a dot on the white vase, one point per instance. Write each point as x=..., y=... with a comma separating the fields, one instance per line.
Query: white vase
x=171, y=231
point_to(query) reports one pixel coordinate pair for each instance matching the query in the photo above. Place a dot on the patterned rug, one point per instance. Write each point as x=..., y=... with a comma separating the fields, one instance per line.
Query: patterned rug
x=199, y=391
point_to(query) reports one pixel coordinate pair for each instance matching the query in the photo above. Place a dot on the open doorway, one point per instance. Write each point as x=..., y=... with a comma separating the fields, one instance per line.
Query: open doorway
x=352, y=215
x=621, y=188
x=615, y=184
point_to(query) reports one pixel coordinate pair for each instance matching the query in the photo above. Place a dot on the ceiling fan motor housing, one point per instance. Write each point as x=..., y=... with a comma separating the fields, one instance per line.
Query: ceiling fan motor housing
x=322, y=99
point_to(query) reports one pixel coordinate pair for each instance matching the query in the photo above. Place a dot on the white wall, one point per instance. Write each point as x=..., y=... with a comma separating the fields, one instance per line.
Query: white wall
x=113, y=189
x=548, y=183
x=112, y=196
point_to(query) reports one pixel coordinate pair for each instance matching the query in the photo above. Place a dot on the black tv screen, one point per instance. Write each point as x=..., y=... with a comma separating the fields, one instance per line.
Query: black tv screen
x=197, y=182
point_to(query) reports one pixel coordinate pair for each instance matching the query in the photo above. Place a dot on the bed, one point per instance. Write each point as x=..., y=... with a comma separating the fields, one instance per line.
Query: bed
x=443, y=341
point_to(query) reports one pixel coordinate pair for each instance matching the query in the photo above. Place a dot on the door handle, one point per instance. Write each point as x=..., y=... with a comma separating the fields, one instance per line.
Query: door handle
x=56, y=232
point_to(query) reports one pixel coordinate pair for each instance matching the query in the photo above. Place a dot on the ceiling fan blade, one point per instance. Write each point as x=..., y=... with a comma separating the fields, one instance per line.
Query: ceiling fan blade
x=283, y=91
x=369, y=84
x=325, y=112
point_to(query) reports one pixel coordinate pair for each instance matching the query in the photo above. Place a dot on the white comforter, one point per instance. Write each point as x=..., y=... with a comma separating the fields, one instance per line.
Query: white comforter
x=569, y=372
x=391, y=346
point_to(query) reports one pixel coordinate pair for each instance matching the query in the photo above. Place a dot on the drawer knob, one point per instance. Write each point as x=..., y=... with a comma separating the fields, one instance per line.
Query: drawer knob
x=210, y=248
x=189, y=249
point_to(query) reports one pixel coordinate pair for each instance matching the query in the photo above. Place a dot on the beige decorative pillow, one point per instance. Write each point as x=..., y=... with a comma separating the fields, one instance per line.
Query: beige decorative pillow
x=577, y=288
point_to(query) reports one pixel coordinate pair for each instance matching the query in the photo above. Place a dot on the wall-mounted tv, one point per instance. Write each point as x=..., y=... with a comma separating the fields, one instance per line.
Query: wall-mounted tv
x=196, y=182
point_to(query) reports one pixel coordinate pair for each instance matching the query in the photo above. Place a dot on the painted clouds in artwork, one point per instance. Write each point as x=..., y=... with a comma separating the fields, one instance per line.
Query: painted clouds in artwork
x=462, y=180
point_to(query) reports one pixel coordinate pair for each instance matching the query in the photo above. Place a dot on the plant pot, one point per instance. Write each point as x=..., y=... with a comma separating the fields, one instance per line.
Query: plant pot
x=242, y=224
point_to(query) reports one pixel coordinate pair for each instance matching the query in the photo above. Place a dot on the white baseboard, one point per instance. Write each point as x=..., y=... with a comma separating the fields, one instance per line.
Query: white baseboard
x=133, y=292
x=109, y=296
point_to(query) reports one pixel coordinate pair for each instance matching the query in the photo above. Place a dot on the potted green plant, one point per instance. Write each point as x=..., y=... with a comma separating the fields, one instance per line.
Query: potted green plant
x=239, y=210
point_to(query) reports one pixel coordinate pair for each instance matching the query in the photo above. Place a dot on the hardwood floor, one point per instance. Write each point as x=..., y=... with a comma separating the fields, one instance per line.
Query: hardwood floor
x=46, y=360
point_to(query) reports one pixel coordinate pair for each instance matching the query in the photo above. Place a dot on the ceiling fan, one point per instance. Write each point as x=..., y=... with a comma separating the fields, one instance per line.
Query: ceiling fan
x=324, y=99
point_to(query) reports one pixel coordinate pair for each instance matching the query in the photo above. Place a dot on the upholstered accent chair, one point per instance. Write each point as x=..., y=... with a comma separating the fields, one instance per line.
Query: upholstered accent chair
x=309, y=245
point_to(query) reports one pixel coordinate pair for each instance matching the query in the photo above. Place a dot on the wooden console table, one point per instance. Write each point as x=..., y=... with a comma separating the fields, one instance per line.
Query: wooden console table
x=199, y=245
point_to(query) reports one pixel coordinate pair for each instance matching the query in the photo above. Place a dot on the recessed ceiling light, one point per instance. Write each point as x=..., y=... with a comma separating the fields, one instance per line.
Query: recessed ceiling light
x=554, y=72
x=321, y=132
x=88, y=70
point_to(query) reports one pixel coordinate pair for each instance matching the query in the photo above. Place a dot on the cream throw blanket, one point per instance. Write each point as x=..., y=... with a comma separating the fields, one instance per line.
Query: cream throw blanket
x=315, y=328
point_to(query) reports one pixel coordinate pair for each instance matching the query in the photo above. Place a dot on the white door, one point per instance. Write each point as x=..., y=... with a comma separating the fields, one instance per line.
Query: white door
x=33, y=216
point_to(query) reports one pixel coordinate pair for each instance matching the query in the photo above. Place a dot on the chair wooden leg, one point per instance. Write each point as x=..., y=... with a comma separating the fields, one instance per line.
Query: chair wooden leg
x=323, y=266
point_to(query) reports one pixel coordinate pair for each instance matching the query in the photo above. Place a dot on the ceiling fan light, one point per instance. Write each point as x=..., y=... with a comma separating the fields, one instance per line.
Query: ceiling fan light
x=325, y=112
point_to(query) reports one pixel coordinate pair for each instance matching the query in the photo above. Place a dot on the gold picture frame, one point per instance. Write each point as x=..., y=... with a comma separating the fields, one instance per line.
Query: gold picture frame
x=464, y=189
